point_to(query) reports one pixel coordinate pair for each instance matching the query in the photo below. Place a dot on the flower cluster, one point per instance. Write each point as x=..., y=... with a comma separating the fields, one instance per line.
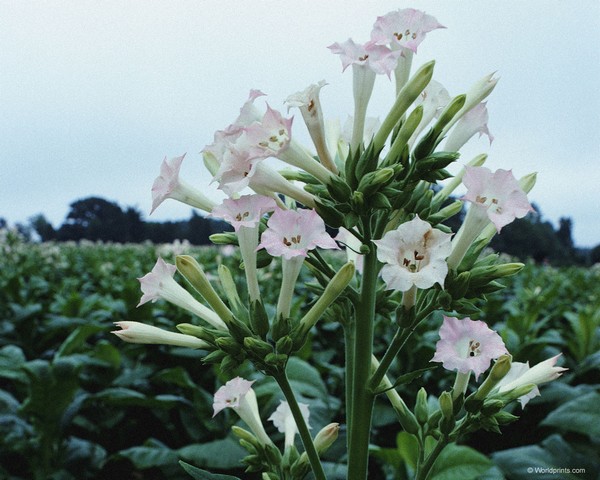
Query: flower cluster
x=381, y=189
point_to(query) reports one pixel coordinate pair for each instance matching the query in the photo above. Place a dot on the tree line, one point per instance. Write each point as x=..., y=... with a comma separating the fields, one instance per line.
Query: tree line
x=97, y=219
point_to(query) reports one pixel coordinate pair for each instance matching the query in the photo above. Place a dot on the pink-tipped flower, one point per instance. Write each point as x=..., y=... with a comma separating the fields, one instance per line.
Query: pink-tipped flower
x=520, y=374
x=169, y=185
x=272, y=134
x=405, y=28
x=292, y=233
x=244, y=214
x=467, y=346
x=245, y=211
x=497, y=195
x=238, y=395
x=159, y=283
x=136, y=332
x=284, y=421
x=414, y=254
x=309, y=103
x=378, y=58
x=474, y=121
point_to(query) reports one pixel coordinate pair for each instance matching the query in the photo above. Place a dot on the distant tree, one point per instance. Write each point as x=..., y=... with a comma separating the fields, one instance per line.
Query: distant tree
x=3, y=222
x=563, y=234
x=42, y=227
x=595, y=255
x=94, y=218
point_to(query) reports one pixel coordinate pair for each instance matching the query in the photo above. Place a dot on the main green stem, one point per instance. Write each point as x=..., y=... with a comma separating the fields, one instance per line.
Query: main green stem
x=363, y=399
x=309, y=446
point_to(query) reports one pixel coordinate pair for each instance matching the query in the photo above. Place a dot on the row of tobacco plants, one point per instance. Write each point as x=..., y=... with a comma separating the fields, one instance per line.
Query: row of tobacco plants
x=76, y=403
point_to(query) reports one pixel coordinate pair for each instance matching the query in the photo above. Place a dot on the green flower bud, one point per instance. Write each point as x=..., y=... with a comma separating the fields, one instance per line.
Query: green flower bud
x=193, y=273
x=448, y=113
x=258, y=347
x=326, y=436
x=284, y=345
x=214, y=357
x=406, y=96
x=497, y=373
x=492, y=407
x=373, y=181
x=446, y=405
x=259, y=321
x=406, y=130
x=339, y=189
x=335, y=287
x=281, y=327
x=197, y=331
x=245, y=435
x=229, y=345
x=421, y=407
x=224, y=238
x=528, y=182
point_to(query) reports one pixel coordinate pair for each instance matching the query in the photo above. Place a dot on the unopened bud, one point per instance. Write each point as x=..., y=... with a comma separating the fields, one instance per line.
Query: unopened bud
x=258, y=347
x=421, y=407
x=528, y=182
x=373, y=181
x=326, y=436
x=224, y=238
x=245, y=435
x=228, y=345
x=446, y=405
x=492, y=407
x=197, y=331
x=193, y=273
x=406, y=96
x=284, y=345
x=337, y=285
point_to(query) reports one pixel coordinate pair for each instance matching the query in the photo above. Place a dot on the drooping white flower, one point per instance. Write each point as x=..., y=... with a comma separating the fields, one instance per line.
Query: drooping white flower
x=238, y=395
x=159, y=283
x=283, y=419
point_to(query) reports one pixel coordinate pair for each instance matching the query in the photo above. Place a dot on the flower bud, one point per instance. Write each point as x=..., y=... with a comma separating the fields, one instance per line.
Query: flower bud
x=196, y=331
x=136, y=332
x=421, y=407
x=335, y=287
x=193, y=273
x=446, y=405
x=326, y=436
x=404, y=134
x=404, y=100
x=258, y=347
x=373, y=181
x=492, y=407
x=284, y=345
x=245, y=435
x=228, y=345
x=259, y=319
x=528, y=182
x=224, y=238
x=231, y=292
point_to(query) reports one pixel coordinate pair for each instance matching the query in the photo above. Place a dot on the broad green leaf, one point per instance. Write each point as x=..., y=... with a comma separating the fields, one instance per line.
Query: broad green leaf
x=220, y=454
x=539, y=460
x=76, y=339
x=199, y=474
x=459, y=462
x=578, y=415
x=149, y=456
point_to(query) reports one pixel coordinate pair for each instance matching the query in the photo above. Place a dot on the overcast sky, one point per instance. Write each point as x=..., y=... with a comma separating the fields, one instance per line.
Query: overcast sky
x=94, y=94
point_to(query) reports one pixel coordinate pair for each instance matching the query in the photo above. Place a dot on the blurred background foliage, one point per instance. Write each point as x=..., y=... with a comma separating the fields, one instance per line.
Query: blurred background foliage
x=77, y=403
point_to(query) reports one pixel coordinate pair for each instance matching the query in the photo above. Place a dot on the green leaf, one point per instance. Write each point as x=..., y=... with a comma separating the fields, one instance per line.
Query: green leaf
x=149, y=456
x=577, y=415
x=223, y=454
x=554, y=453
x=76, y=339
x=458, y=461
x=199, y=474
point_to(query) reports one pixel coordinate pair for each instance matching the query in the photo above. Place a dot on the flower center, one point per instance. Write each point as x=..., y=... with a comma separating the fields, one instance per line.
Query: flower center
x=240, y=216
x=474, y=348
x=292, y=241
x=412, y=265
x=492, y=204
x=363, y=58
